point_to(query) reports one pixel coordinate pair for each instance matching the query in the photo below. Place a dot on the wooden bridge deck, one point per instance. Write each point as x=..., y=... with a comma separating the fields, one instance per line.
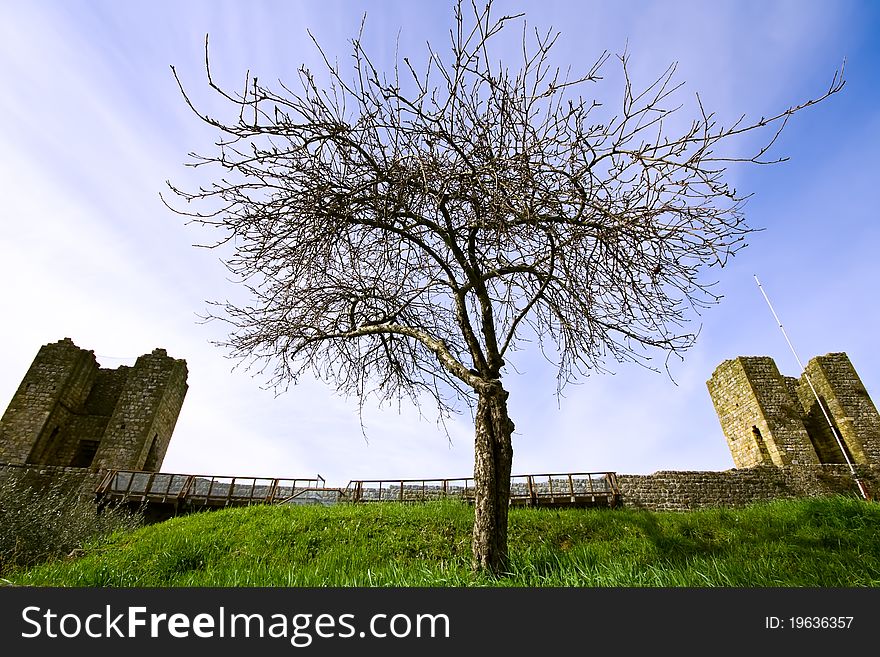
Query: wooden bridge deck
x=181, y=492
x=578, y=489
x=166, y=494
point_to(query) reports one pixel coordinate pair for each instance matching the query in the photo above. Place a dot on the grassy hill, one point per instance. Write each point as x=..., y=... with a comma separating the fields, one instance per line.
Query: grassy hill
x=828, y=542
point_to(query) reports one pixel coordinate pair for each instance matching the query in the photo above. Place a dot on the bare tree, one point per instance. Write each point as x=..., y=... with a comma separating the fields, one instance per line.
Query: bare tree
x=402, y=233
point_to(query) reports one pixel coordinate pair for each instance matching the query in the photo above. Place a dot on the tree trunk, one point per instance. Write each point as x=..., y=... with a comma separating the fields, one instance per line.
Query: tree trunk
x=493, y=455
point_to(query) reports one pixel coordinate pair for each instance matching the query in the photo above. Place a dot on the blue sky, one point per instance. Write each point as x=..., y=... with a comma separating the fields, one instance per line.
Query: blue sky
x=92, y=125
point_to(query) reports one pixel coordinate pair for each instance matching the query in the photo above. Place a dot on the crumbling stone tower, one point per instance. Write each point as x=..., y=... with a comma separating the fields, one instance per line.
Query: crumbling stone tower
x=70, y=412
x=770, y=419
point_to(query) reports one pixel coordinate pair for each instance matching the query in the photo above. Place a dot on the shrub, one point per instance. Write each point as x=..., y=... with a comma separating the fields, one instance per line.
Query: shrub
x=43, y=522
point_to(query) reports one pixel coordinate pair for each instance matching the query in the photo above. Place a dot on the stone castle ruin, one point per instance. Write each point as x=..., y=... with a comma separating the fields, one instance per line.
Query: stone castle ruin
x=70, y=412
x=774, y=420
x=74, y=422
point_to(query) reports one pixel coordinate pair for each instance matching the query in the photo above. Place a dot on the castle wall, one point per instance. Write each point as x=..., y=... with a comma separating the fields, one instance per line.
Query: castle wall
x=104, y=394
x=145, y=414
x=661, y=491
x=683, y=490
x=168, y=410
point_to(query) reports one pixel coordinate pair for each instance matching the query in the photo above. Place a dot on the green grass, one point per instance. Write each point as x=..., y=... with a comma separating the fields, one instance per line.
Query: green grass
x=822, y=542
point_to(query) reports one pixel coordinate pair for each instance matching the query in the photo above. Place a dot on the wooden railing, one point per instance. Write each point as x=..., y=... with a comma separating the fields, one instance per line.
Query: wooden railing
x=552, y=489
x=206, y=490
x=182, y=491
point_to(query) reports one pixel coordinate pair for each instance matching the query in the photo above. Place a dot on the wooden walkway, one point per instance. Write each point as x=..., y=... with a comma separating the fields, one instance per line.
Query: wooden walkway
x=166, y=494
x=575, y=489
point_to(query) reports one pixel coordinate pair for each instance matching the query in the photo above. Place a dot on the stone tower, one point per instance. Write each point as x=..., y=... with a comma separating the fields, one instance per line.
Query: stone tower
x=770, y=419
x=70, y=412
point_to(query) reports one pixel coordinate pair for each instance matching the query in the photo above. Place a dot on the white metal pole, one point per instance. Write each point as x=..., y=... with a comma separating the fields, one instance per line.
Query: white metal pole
x=816, y=395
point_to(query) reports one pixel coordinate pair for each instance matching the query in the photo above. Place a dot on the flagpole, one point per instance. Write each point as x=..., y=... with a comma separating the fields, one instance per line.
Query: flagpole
x=834, y=431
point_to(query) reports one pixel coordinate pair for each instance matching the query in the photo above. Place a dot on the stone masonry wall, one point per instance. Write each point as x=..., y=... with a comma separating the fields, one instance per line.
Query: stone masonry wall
x=847, y=402
x=59, y=379
x=684, y=490
x=104, y=394
x=739, y=414
x=145, y=414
